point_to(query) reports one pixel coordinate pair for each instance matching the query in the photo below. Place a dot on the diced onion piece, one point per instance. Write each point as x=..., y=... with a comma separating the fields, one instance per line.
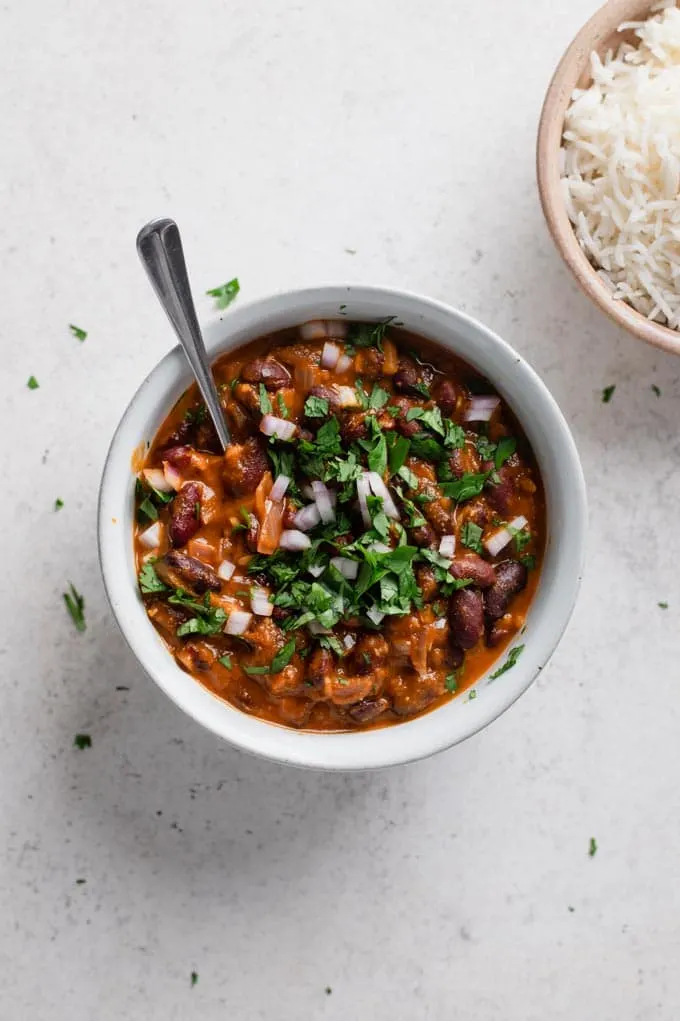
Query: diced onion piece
x=307, y=517
x=260, y=604
x=349, y=641
x=447, y=546
x=480, y=409
x=347, y=396
x=379, y=547
x=315, y=628
x=375, y=616
x=344, y=364
x=226, y=570
x=157, y=480
x=317, y=329
x=238, y=622
x=151, y=537
x=316, y=570
x=380, y=489
x=363, y=491
x=348, y=568
x=172, y=476
x=323, y=501
x=440, y=623
x=391, y=358
x=307, y=491
x=293, y=540
x=282, y=428
x=336, y=328
x=279, y=488
x=499, y=539
x=329, y=355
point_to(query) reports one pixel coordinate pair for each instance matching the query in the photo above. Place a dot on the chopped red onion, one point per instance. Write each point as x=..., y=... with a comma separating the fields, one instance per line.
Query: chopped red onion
x=499, y=539
x=172, y=476
x=375, y=616
x=293, y=540
x=344, y=364
x=440, y=623
x=314, y=330
x=278, y=490
x=363, y=491
x=323, y=501
x=316, y=570
x=238, y=622
x=447, y=546
x=347, y=396
x=315, y=628
x=349, y=641
x=226, y=569
x=282, y=428
x=348, y=568
x=480, y=409
x=151, y=537
x=329, y=355
x=379, y=547
x=157, y=480
x=307, y=491
x=336, y=328
x=307, y=517
x=259, y=603
x=380, y=489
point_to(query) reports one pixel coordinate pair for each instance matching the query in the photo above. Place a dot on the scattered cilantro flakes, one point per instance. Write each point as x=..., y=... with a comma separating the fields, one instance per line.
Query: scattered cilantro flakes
x=194, y=978
x=80, y=882
x=471, y=536
x=397, y=452
x=225, y=294
x=468, y=485
x=506, y=448
x=32, y=383
x=528, y=561
x=58, y=503
x=472, y=695
x=608, y=393
x=328, y=989
x=656, y=390
x=378, y=398
x=570, y=908
x=510, y=662
x=662, y=606
x=282, y=406
x=82, y=741
x=485, y=448
x=265, y=402
x=225, y=661
x=75, y=604
x=147, y=510
x=283, y=657
x=316, y=407
x=77, y=332
x=149, y=580
x=592, y=847
x=451, y=682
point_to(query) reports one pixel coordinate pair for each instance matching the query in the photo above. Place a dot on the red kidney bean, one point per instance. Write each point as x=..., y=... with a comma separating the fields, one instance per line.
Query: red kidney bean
x=181, y=571
x=410, y=376
x=501, y=494
x=244, y=466
x=446, y=397
x=354, y=427
x=405, y=428
x=499, y=630
x=511, y=577
x=472, y=566
x=368, y=709
x=185, y=514
x=424, y=536
x=466, y=617
x=267, y=371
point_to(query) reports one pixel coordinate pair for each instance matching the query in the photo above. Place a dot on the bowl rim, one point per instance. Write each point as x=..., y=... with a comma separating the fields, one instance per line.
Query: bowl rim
x=596, y=32
x=430, y=732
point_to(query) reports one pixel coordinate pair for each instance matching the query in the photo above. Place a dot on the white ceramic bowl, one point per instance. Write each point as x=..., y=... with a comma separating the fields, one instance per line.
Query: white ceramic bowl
x=550, y=610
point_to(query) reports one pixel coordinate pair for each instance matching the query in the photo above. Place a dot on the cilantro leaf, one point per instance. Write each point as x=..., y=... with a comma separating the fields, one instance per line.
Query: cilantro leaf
x=149, y=580
x=378, y=398
x=409, y=477
x=451, y=682
x=467, y=486
x=316, y=407
x=58, y=503
x=592, y=847
x=505, y=449
x=82, y=741
x=513, y=656
x=32, y=383
x=225, y=661
x=656, y=390
x=283, y=657
x=225, y=294
x=77, y=332
x=608, y=393
x=147, y=510
x=265, y=402
x=75, y=604
x=485, y=448
x=471, y=536
x=282, y=406
x=333, y=643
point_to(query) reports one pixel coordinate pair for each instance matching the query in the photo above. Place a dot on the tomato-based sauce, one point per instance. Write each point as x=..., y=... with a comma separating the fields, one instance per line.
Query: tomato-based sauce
x=367, y=547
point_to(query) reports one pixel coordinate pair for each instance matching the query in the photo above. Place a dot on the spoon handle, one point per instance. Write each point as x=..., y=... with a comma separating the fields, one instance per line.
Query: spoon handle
x=159, y=246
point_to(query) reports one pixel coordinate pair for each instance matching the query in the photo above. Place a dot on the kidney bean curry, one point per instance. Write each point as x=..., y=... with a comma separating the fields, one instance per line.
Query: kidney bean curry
x=367, y=546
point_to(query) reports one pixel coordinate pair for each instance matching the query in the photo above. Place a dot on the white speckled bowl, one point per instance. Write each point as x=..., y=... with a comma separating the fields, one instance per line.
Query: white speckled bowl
x=549, y=613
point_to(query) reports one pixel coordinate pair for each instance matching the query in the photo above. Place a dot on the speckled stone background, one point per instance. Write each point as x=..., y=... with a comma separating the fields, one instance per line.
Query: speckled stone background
x=301, y=143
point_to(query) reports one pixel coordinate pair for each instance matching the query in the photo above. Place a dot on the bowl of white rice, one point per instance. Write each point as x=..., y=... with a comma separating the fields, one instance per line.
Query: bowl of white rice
x=608, y=164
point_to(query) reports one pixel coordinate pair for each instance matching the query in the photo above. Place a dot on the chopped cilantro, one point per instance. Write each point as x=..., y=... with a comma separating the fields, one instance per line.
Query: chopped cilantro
x=592, y=847
x=608, y=393
x=282, y=406
x=529, y=561
x=77, y=332
x=485, y=448
x=225, y=294
x=194, y=978
x=225, y=661
x=662, y=606
x=149, y=580
x=256, y=670
x=80, y=882
x=471, y=536
x=422, y=389
x=397, y=452
x=472, y=695
x=505, y=449
x=75, y=604
x=332, y=643
x=197, y=510
x=378, y=398
x=209, y=620
x=656, y=390
x=451, y=682
x=513, y=656
x=328, y=989
x=316, y=407
x=467, y=486
x=265, y=402
x=147, y=510
x=82, y=741
x=409, y=477
x=33, y=383
x=58, y=503
x=283, y=657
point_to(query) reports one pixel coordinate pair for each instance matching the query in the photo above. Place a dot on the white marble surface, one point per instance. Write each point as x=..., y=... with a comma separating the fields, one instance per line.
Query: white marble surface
x=282, y=135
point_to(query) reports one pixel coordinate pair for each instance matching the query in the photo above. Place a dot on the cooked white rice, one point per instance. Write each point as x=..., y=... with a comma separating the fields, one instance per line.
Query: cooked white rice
x=621, y=168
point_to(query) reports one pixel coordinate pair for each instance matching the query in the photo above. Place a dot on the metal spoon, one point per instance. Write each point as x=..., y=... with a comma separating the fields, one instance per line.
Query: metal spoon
x=159, y=246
